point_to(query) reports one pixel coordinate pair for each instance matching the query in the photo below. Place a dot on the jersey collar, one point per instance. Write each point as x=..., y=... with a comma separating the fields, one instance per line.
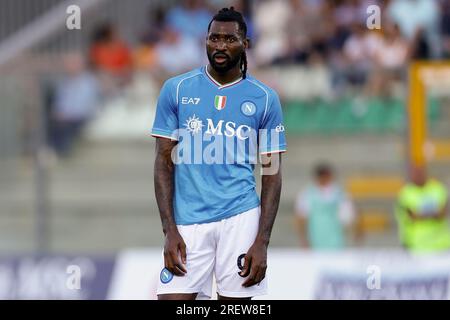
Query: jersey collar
x=219, y=85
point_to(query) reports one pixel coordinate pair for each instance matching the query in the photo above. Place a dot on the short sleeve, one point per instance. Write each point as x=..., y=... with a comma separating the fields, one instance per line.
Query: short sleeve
x=166, y=118
x=347, y=212
x=302, y=206
x=272, y=131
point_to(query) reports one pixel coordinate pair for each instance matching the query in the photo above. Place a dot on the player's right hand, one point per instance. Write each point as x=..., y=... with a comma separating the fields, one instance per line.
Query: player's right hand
x=175, y=253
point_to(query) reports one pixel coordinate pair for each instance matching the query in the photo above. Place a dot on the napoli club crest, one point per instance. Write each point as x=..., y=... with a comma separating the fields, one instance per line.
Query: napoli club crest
x=165, y=276
x=248, y=108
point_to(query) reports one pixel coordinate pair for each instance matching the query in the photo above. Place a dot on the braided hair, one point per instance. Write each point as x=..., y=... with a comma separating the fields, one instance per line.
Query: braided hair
x=229, y=14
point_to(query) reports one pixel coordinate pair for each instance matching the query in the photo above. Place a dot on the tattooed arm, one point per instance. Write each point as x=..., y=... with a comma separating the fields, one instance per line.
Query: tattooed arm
x=164, y=168
x=255, y=264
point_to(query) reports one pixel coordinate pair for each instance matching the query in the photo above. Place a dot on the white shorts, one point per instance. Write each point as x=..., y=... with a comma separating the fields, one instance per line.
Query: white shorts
x=215, y=248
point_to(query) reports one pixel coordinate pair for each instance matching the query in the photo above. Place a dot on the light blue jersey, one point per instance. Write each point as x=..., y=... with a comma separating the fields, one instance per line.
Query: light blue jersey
x=221, y=130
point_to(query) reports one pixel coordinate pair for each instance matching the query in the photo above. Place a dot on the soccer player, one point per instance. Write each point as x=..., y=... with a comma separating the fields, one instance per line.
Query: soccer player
x=213, y=220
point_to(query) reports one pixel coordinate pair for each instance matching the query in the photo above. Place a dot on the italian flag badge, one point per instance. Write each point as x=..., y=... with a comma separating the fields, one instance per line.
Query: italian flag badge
x=219, y=102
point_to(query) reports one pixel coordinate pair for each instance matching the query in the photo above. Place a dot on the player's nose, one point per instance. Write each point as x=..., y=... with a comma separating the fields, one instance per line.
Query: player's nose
x=221, y=45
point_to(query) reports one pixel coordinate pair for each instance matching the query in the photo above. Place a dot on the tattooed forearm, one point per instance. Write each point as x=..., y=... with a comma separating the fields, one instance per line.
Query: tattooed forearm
x=270, y=199
x=164, y=182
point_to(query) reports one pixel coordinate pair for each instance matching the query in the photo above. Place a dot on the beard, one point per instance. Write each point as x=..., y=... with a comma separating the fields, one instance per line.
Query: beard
x=227, y=66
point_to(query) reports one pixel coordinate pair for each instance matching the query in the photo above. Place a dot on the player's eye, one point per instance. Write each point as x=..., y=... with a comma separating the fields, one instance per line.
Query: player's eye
x=213, y=38
x=232, y=39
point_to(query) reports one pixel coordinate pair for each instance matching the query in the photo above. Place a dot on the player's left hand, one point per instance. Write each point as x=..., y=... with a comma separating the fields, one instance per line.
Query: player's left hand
x=255, y=265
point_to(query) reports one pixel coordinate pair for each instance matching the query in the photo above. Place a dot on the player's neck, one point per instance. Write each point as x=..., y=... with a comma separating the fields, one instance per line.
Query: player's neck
x=224, y=78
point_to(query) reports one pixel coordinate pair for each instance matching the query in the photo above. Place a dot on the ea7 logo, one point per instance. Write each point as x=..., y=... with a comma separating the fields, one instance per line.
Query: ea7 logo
x=187, y=100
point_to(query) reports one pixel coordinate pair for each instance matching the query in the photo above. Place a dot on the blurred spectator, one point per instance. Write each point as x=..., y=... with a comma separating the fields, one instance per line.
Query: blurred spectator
x=418, y=21
x=391, y=52
x=145, y=57
x=344, y=14
x=110, y=56
x=177, y=53
x=312, y=38
x=349, y=12
x=323, y=212
x=390, y=55
x=357, y=56
x=190, y=19
x=76, y=98
x=155, y=24
x=445, y=27
x=421, y=213
x=271, y=20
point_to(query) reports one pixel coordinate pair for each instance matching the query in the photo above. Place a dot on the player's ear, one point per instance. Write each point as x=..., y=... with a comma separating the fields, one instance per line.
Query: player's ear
x=246, y=43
